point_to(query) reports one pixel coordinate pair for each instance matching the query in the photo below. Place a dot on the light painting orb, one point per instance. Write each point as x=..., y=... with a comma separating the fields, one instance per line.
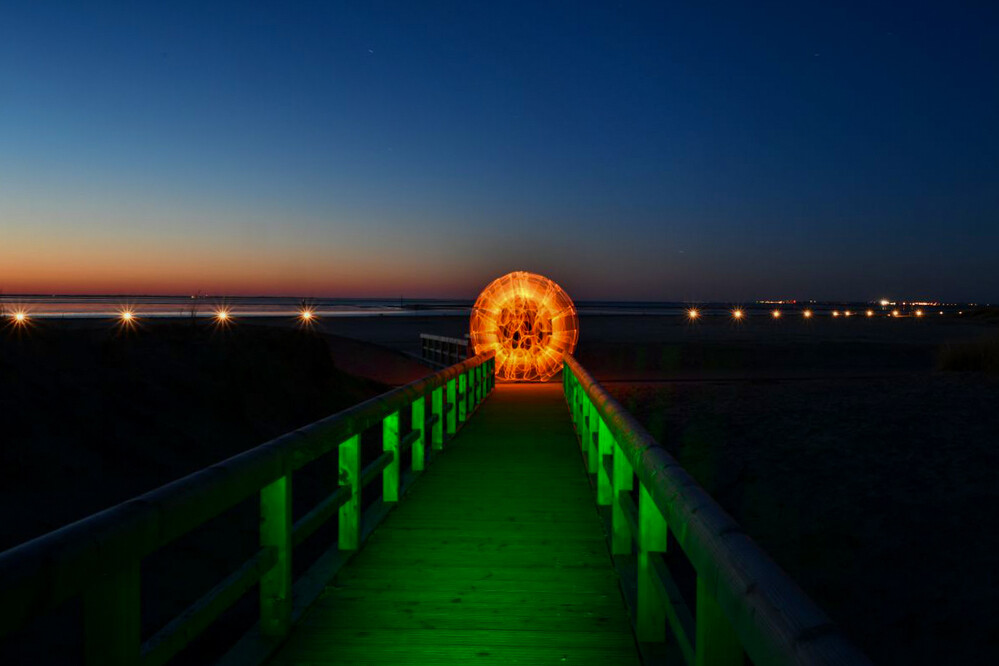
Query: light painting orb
x=529, y=322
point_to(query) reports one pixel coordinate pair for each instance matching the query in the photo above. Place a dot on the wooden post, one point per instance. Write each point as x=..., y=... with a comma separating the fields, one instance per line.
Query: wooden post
x=437, y=405
x=716, y=642
x=350, y=512
x=592, y=434
x=462, y=397
x=390, y=442
x=419, y=452
x=605, y=446
x=275, y=584
x=473, y=389
x=452, y=402
x=111, y=619
x=576, y=411
x=651, y=620
x=623, y=481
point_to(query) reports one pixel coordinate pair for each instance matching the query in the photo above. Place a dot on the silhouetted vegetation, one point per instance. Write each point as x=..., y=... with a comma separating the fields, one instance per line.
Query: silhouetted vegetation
x=977, y=356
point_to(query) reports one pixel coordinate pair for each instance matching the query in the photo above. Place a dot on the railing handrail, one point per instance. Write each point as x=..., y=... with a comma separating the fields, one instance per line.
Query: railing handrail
x=445, y=338
x=774, y=620
x=40, y=574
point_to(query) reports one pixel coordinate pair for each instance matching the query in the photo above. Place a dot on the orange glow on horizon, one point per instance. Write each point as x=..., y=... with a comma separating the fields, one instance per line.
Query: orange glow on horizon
x=528, y=321
x=79, y=265
x=737, y=314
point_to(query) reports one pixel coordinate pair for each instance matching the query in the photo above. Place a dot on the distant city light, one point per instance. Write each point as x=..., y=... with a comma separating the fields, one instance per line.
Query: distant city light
x=835, y=313
x=737, y=314
x=894, y=313
x=870, y=313
x=919, y=313
x=884, y=302
x=692, y=313
x=127, y=316
x=776, y=314
x=847, y=313
x=307, y=315
x=807, y=314
x=222, y=316
x=20, y=317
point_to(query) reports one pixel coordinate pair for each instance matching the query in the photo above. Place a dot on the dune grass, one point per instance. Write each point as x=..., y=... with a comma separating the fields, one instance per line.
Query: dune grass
x=976, y=356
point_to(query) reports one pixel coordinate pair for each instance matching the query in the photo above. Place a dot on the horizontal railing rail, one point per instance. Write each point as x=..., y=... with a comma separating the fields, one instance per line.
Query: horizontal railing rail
x=443, y=350
x=745, y=604
x=98, y=558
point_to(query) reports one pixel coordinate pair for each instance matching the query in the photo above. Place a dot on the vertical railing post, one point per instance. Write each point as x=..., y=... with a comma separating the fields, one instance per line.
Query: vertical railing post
x=452, y=407
x=462, y=397
x=716, y=641
x=577, y=411
x=111, y=613
x=592, y=435
x=419, y=421
x=275, y=532
x=651, y=620
x=390, y=442
x=605, y=447
x=470, y=398
x=350, y=512
x=622, y=483
x=437, y=432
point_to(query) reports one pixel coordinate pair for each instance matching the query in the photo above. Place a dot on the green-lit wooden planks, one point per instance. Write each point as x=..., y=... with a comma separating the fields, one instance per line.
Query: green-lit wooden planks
x=497, y=554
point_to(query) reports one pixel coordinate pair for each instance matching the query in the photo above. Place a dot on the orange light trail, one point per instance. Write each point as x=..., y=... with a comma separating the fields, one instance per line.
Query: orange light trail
x=528, y=321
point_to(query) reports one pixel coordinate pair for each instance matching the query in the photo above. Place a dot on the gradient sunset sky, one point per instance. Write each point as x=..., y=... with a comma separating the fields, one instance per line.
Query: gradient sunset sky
x=674, y=151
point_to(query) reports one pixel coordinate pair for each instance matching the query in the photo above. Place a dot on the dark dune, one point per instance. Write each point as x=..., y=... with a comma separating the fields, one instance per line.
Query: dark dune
x=92, y=417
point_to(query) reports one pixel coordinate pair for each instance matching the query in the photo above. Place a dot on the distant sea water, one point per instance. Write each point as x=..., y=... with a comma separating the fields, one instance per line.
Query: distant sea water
x=276, y=306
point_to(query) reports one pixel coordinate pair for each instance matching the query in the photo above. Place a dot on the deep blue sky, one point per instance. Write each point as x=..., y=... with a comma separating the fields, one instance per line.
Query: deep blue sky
x=711, y=150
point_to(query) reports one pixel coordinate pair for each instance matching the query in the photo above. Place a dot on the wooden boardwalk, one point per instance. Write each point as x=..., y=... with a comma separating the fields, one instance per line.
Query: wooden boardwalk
x=497, y=554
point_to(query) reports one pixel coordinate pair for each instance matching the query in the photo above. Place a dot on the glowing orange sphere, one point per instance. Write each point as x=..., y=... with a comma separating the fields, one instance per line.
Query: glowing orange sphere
x=529, y=321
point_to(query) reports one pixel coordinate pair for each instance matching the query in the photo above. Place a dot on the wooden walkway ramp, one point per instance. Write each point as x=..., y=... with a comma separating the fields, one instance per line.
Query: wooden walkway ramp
x=497, y=554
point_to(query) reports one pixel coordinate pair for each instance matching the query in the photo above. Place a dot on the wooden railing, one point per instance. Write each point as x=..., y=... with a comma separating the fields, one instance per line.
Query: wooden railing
x=98, y=558
x=745, y=604
x=443, y=350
